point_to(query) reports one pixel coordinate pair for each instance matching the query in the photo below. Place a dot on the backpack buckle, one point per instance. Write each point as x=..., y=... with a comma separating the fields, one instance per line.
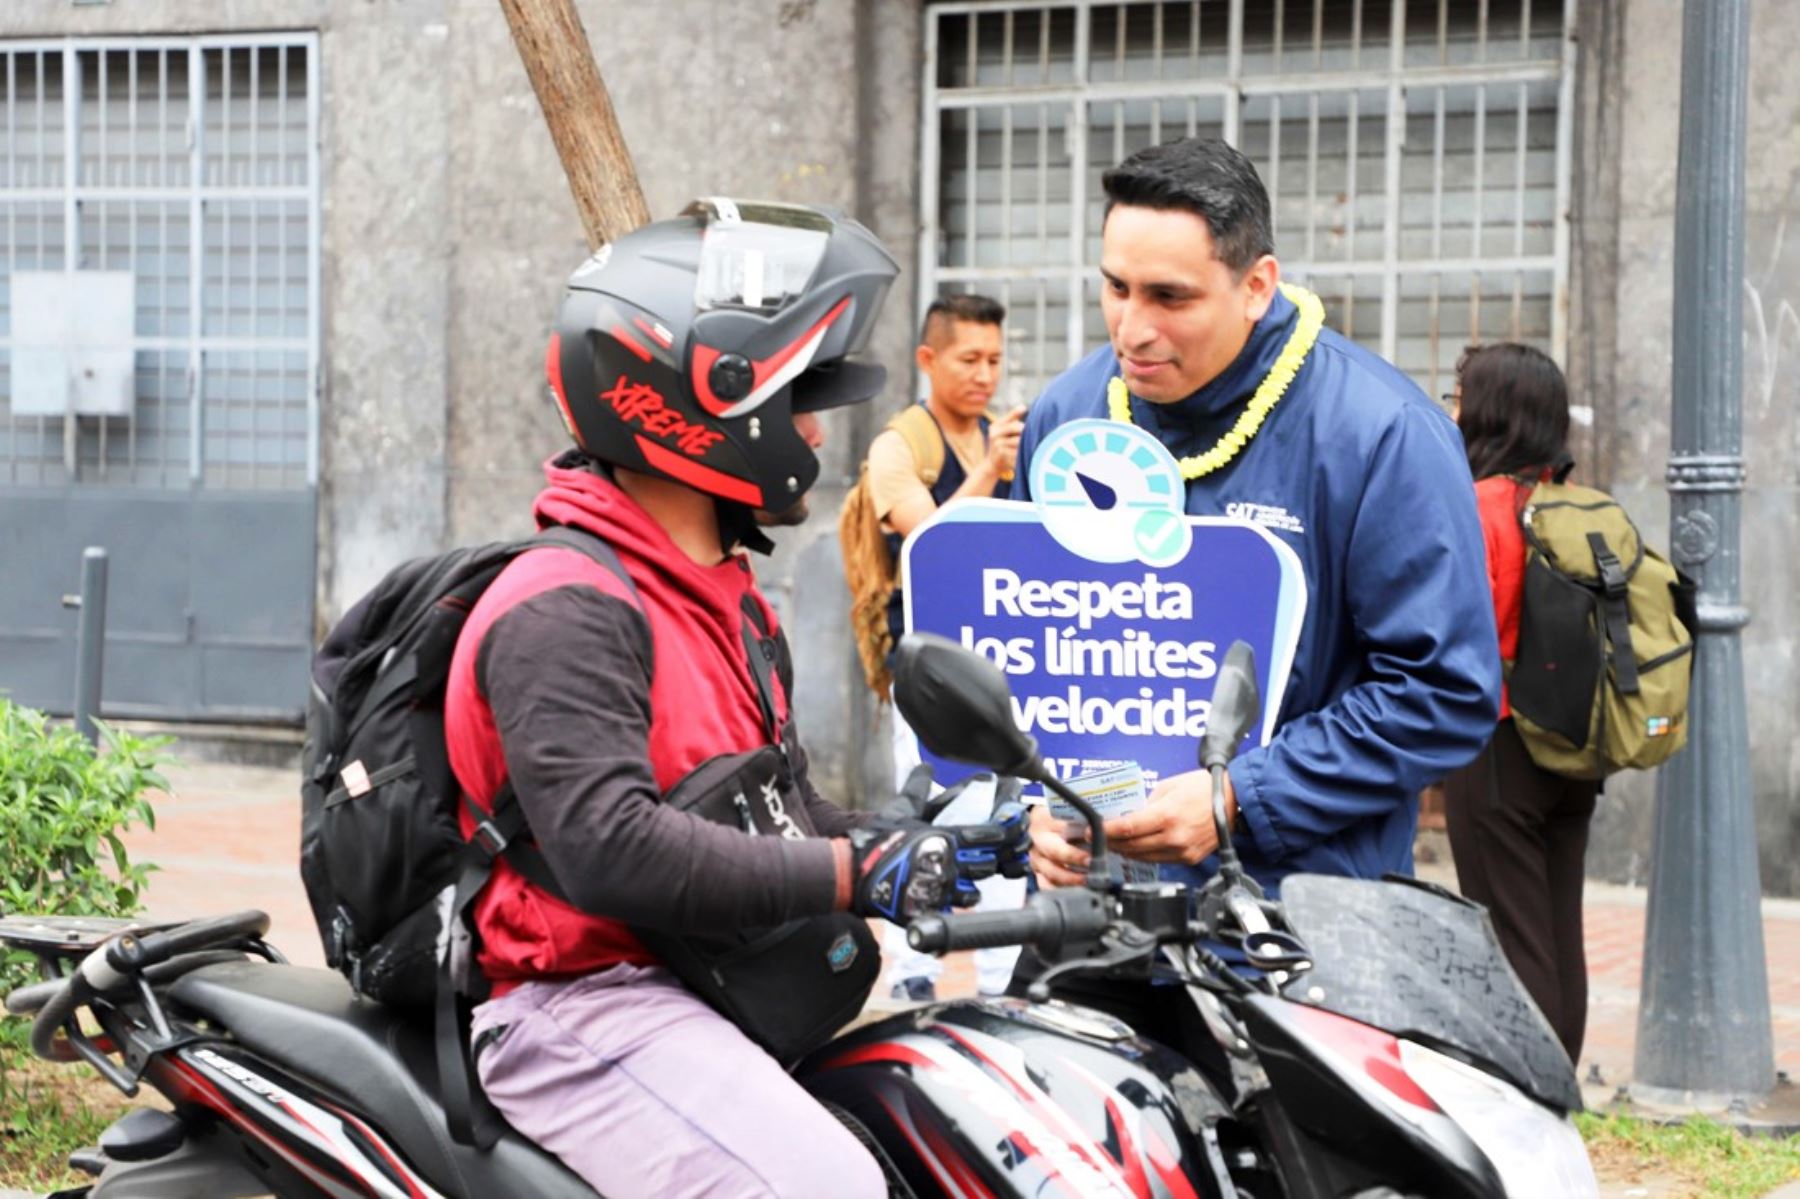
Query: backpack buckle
x=1612, y=572
x=492, y=841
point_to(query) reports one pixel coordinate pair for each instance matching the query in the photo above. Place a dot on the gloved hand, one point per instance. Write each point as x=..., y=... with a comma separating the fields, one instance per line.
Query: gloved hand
x=902, y=870
x=998, y=844
x=1001, y=845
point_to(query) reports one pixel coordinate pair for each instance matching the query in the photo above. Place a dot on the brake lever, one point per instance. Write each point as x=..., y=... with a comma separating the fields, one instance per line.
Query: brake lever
x=1121, y=945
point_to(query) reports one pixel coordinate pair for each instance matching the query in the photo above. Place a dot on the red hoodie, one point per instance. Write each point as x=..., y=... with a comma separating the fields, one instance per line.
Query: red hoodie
x=596, y=706
x=1499, y=499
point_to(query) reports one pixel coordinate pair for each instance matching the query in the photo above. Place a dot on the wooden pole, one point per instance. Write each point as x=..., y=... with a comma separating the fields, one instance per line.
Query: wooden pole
x=555, y=50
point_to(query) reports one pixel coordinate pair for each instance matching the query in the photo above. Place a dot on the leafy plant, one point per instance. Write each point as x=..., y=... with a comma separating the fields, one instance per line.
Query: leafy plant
x=63, y=805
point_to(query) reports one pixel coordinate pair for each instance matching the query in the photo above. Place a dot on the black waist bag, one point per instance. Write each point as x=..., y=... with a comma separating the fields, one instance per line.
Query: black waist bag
x=790, y=987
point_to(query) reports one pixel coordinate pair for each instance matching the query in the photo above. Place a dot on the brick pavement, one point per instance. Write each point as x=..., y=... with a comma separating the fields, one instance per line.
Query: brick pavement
x=1615, y=937
x=228, y=837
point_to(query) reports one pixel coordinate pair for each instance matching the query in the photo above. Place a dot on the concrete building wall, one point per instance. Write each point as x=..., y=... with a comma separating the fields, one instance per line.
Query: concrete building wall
x=1633, y=101
x=448, y=229
x=807, y=100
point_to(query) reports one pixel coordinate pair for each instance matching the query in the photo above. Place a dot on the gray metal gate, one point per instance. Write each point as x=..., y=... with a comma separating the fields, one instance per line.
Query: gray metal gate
x=159, y=367
x=1416, y=152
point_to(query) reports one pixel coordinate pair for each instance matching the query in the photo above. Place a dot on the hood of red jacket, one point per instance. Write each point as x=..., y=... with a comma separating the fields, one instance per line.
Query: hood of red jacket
x=580, y=496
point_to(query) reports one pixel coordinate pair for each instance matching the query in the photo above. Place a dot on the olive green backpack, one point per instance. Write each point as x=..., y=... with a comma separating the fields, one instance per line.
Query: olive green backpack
x=1606, y=645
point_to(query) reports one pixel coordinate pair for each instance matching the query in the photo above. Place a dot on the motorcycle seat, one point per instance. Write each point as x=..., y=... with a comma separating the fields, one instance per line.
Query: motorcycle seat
x=382, y=1065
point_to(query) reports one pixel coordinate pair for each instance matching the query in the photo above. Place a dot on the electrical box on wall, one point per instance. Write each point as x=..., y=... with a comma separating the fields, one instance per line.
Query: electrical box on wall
x=71, y=343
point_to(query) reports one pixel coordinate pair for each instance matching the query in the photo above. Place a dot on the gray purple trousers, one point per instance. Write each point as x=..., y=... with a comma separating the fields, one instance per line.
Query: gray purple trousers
x=645, y=1091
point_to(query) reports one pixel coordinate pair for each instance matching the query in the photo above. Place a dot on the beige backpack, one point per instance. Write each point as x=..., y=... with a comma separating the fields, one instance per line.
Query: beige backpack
x=869, y=569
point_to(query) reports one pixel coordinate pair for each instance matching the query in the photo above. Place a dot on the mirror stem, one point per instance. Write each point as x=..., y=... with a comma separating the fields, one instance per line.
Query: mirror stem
x=1228, y=859
x=1098, y=873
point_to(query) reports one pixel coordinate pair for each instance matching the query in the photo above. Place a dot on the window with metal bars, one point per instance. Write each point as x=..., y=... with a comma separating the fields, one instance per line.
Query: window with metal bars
x=192, y=164
x=1416, y=154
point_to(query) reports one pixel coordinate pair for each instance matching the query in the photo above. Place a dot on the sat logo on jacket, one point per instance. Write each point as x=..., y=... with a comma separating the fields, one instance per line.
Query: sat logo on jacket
x=1269, y=516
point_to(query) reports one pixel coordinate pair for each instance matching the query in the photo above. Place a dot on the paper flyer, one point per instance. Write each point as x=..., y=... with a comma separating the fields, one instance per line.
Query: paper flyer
x=1112, y=792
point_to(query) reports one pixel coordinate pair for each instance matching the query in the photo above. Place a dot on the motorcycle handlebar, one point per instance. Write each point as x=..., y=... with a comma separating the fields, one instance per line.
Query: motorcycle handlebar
x=129, y=954
x=1052, y=919
x=972, y=930
x=112, y=963
x=23, y=1001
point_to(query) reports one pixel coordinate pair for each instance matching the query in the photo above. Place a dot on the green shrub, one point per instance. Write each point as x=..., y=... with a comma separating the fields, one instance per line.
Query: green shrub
x=63, y=806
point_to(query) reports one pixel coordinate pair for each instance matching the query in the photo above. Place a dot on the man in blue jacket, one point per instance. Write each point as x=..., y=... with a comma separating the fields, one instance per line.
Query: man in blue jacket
x=1333, y=450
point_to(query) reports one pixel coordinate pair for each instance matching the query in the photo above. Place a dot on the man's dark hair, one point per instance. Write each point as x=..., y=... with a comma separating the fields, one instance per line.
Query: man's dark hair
x=1208, y=178
x=1515, y=410
x=963, y=306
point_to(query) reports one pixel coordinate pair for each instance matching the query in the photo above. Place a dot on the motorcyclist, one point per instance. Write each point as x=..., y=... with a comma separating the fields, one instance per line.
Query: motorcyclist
x=689, y=362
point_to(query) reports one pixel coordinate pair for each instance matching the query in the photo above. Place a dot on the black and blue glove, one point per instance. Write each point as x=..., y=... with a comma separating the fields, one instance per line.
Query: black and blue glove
x=902, y=872
x=1001, y=845
x=904, y=867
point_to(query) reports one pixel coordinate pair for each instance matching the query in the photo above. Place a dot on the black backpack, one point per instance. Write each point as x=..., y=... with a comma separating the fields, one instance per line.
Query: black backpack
x=387, y=870
x=380, y=847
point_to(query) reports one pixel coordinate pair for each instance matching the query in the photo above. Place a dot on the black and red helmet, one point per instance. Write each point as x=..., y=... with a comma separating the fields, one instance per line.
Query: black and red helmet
x=684, y=348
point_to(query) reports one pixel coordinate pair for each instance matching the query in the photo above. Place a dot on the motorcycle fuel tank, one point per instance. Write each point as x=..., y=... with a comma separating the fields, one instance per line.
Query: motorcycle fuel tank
x=1008, y=1098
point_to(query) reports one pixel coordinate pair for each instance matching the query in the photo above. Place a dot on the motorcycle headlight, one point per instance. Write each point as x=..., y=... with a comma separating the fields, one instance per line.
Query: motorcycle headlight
x=1535, y=1153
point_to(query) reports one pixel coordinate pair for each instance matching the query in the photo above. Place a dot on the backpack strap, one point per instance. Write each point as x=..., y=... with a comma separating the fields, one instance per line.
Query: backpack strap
x=1614, y=586
x=759, y=647
x=919, y=429
x=470, y=1115
x=502, y=831
x=591, y=544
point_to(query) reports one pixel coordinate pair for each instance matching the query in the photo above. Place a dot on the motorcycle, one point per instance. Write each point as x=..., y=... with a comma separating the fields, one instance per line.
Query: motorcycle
x=1364, y=1038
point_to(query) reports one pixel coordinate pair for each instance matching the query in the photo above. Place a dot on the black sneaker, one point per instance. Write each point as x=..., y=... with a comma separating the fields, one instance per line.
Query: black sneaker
x=914, y=990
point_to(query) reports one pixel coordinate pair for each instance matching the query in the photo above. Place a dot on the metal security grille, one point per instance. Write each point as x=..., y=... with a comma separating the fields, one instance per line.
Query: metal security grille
x=159, y=361
x=192, y=164
x=1416, y=152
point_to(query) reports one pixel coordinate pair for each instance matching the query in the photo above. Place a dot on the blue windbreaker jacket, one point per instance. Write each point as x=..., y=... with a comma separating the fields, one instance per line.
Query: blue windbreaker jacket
x=1396, y=680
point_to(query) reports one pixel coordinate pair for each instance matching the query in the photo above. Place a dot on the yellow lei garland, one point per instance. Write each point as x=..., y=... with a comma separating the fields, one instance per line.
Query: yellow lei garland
x=1273, y=386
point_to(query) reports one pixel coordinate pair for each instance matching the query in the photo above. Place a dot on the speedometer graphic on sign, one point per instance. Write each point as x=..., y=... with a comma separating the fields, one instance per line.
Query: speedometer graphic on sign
x=1112, y=493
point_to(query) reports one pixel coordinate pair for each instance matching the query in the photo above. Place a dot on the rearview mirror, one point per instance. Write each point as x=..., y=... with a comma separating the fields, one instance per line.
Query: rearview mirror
x=1236, y=705
x=960, y=706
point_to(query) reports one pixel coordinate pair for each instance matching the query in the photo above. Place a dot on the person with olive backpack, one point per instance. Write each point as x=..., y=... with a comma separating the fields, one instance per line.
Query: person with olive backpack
x=1596, y=642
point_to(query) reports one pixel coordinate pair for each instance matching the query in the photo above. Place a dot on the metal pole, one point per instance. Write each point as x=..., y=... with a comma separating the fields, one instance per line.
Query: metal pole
x=1704, y=1037
x=90, y=640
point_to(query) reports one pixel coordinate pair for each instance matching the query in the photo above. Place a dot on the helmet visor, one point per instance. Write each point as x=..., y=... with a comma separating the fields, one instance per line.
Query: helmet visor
x=757, y=257
x=837, y=384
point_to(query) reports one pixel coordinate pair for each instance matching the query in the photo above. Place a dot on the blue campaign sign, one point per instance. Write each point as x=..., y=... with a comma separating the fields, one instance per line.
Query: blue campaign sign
x=1106, y=605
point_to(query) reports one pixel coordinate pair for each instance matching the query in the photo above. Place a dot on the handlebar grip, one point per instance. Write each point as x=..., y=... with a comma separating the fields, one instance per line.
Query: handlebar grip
x=1050, y=921
x=25, y=1000
x=129, y=954
x=972, y=930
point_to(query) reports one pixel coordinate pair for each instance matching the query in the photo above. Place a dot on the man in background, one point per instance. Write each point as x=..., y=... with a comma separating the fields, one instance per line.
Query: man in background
x=960, y=355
